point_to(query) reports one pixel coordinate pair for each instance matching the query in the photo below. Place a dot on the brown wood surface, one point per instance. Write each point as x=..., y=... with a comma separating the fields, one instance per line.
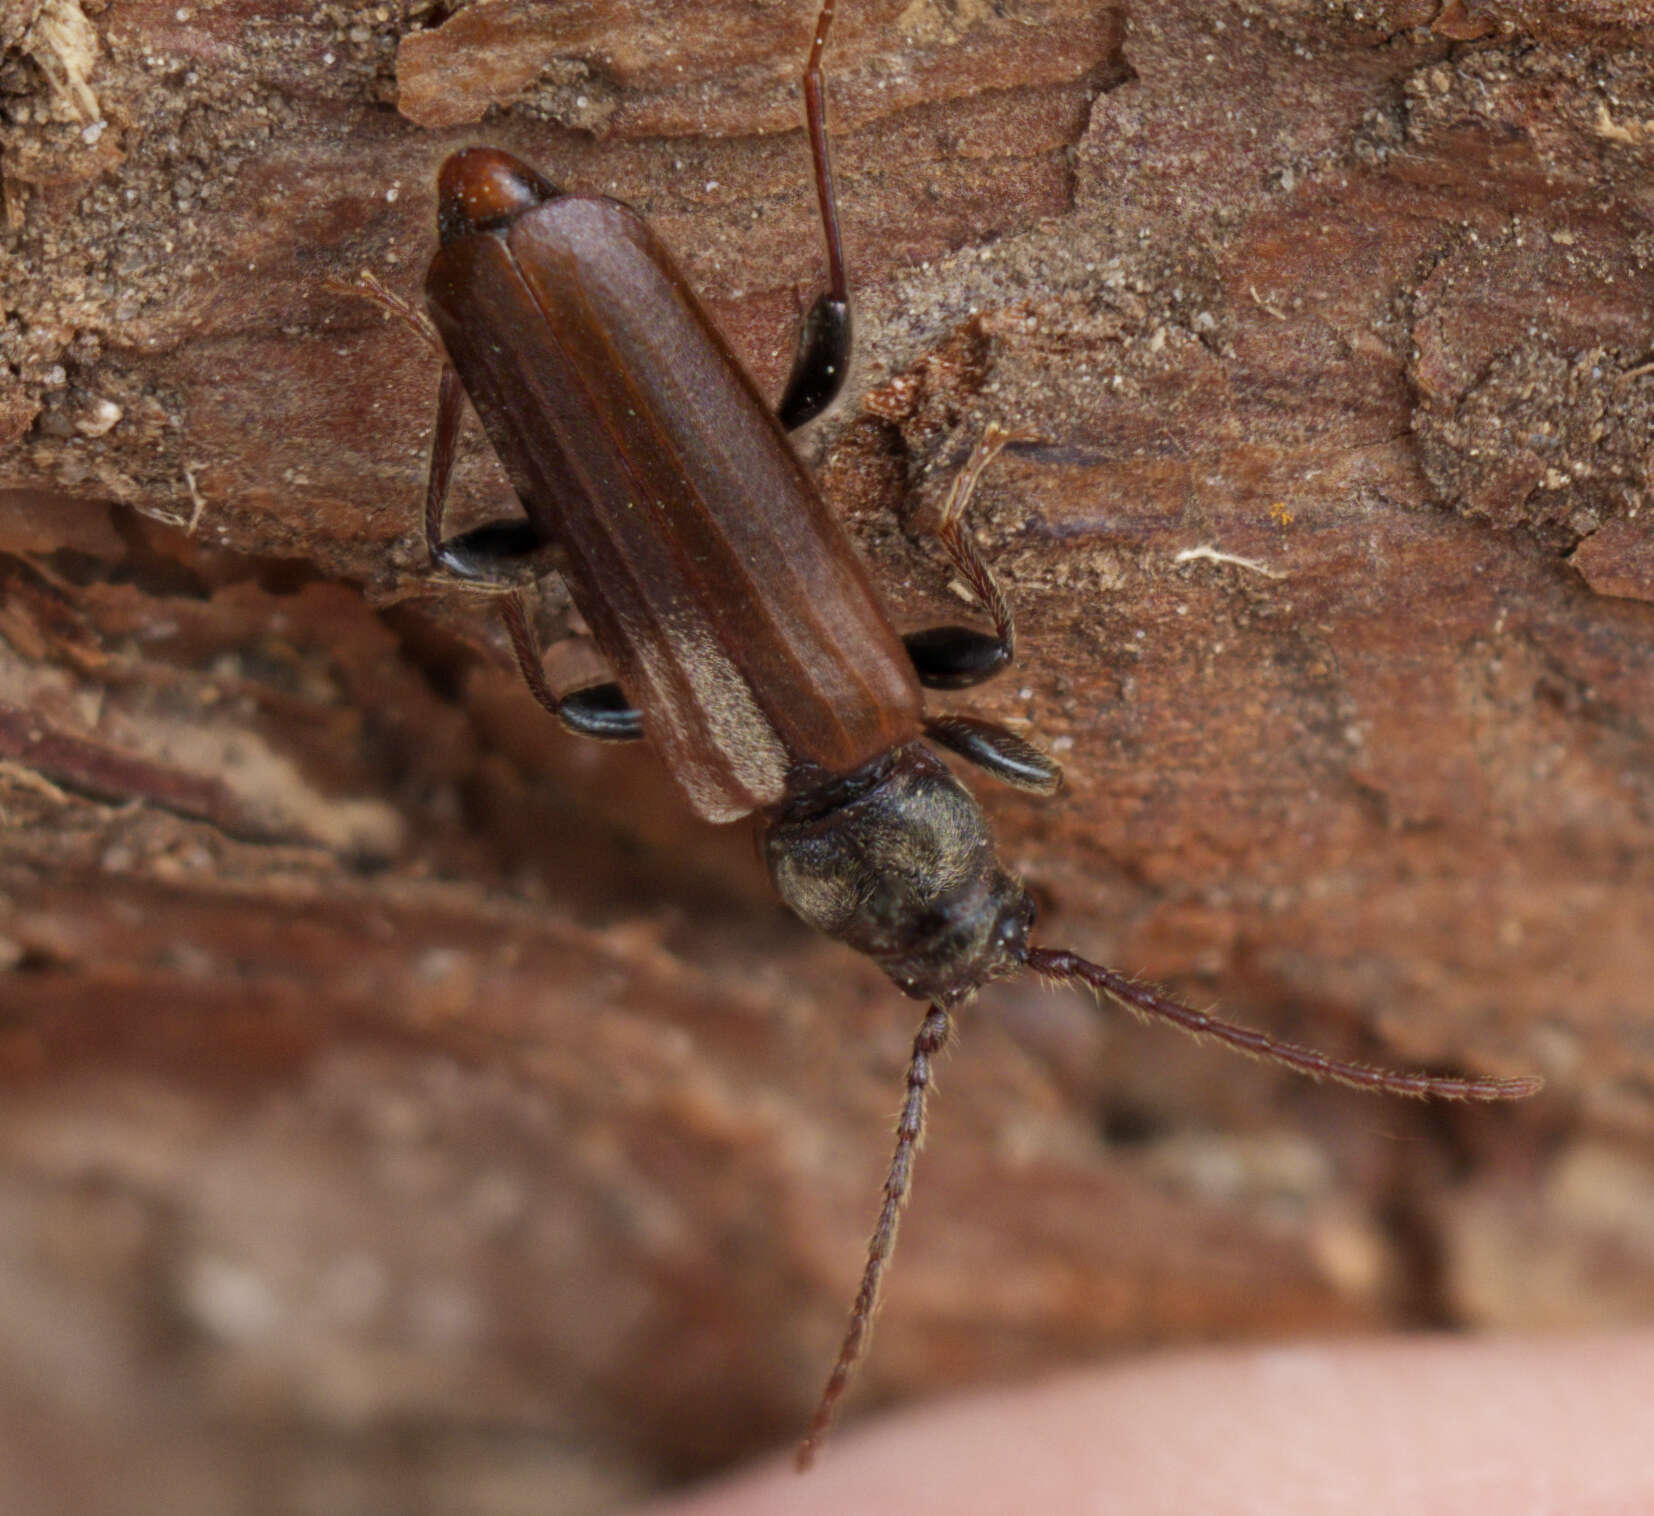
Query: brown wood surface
x=407, y=1107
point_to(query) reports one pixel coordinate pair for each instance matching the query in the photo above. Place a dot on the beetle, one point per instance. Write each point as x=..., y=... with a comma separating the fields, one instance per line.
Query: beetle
x=747, y=641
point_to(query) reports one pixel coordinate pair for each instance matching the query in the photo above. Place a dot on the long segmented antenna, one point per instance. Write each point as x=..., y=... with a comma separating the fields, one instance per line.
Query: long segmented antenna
x=1148, y=1003
x=910, y=1130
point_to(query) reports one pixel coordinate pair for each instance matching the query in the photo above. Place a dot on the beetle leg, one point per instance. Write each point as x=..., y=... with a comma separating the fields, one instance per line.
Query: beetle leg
x=1000, y=752
x=506, y=556
x=498, y=556
x=824, y=338
x=955, y=657
x=368, y=287
x=819, y=369
x=599, y=711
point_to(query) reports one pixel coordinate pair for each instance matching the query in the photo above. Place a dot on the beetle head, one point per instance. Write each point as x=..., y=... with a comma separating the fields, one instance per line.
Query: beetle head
x=904, y=870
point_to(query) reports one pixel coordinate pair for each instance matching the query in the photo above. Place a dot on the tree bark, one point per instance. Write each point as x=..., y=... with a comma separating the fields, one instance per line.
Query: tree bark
x=379, y=1060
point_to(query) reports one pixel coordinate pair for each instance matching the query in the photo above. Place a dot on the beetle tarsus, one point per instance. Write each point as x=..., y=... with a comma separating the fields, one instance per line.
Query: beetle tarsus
x=956, y=657
x=498, y=556
x=824, y=342
x=600, y=711
x=994, y=750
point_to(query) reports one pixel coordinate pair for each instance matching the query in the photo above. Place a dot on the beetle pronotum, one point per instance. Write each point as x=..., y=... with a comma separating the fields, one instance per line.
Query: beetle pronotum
x=747, y=641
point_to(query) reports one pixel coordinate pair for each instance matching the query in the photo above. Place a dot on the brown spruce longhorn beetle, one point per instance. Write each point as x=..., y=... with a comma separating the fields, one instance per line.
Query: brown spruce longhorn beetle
x=746, y=640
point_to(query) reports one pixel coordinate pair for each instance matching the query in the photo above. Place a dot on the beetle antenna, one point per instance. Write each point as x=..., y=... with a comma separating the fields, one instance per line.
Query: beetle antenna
x=1148, y=1003
x=910, y=1129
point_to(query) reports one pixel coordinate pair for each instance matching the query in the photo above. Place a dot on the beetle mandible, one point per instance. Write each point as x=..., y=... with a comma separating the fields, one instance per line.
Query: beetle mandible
x=746, y=639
